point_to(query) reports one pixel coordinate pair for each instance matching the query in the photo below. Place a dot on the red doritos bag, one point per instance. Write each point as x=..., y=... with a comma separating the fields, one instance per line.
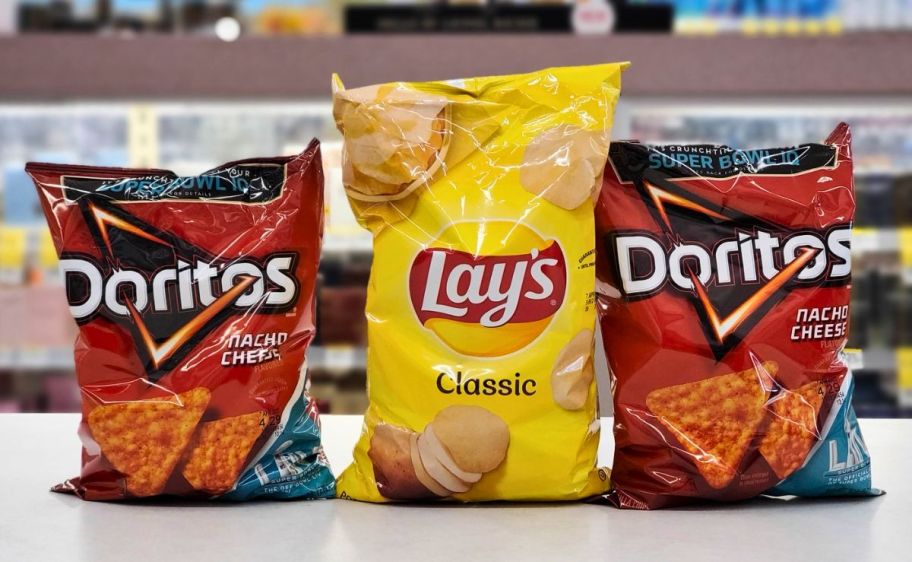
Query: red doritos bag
x=723, y=290
x=194, y=299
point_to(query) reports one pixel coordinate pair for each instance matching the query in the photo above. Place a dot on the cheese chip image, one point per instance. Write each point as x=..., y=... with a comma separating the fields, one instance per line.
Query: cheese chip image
x=219, y=450
x=715, y=419
x=143, y=440
x=793, y=429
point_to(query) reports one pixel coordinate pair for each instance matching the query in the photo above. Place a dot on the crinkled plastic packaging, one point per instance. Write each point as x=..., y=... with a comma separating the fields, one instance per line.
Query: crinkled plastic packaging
x=723, y=293
x=194, y=300
x=479, y=194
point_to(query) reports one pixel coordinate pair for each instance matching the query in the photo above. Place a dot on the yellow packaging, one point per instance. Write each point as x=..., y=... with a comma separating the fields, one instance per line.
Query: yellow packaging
x=481, y=318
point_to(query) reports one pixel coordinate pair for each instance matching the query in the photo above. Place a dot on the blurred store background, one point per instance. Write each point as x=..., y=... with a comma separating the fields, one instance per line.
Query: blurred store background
x=188, y=84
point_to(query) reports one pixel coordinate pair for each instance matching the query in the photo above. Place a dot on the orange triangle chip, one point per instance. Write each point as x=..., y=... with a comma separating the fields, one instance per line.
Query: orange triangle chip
x=793, y=429
x=145, y=439
x=219, y=450
x=715, y=419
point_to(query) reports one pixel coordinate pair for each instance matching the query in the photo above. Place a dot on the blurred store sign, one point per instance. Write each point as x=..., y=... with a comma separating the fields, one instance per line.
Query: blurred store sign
x=583, y=16
x=225, y=19
x=503, y=18
x=593, y=17
x=228, y=19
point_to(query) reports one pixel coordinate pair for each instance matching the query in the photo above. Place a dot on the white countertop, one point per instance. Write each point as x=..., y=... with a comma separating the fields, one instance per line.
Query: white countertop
x=38, y=450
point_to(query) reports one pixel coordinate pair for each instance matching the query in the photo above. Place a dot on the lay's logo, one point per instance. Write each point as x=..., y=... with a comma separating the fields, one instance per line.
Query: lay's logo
x=488, y=289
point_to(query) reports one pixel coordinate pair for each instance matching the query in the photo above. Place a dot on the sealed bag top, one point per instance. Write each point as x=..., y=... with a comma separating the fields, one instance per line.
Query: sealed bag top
x=479, y=193
x=194, y=299
x=723, y=293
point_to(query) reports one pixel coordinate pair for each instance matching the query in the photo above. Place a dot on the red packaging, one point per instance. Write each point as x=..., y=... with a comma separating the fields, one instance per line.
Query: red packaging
x=194, y=300
x=723, y=292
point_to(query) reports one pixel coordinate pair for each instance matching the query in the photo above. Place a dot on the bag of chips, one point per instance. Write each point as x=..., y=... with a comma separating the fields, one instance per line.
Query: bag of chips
x=723, y=290
x=194, y=300
x=479, y=194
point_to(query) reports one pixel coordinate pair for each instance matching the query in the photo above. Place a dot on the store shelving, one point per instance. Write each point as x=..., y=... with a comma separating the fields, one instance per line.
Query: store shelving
x=37, y=359
x=54, y=67
x=199, y=102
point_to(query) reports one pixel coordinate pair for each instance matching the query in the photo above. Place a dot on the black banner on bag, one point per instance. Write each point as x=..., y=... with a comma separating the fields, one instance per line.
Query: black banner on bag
x=247, y=183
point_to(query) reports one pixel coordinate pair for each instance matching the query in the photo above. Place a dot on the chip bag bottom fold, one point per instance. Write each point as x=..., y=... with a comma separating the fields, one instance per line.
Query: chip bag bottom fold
x=723, y=292
x=194, y=301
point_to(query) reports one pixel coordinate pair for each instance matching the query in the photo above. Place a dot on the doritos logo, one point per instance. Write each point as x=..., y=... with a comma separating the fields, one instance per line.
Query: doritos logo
x=734, y=267
x=167, y=292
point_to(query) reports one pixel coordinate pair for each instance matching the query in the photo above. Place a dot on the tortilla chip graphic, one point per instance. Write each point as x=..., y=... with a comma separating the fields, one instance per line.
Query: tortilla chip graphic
x=144, y=440
x=793, y=429
x=219, y=450
x=715, y=419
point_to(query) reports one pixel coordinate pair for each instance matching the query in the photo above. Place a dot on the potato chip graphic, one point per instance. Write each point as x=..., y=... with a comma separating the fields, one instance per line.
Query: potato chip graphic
x=395, y=139
x=377, y=215
x=564, y=165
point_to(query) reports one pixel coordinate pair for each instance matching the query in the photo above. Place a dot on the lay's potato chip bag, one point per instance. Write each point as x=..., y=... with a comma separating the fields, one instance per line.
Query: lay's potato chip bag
x=481, y=314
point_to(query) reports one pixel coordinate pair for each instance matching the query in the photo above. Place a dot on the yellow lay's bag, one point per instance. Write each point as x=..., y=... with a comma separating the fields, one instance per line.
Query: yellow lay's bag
x=480, y=308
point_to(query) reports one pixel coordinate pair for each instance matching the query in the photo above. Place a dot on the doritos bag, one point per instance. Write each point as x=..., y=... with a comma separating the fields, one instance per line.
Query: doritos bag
x=723, y=290
x=194, y=299
x=479, y=194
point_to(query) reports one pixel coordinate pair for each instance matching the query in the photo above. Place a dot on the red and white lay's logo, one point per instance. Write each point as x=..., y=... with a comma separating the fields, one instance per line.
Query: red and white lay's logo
x=488, y=288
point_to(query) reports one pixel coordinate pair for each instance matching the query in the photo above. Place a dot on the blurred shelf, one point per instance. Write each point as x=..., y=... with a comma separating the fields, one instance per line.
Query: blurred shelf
x=874, y=239
x=854, y=358
x=335, y=245
x=880, y=171
x=37, y=359
x=865, y=239
x=871, y=359
x=874, y=359
x=52, y=67
x=326, y=358
x=336, y=357
x=346, y=357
